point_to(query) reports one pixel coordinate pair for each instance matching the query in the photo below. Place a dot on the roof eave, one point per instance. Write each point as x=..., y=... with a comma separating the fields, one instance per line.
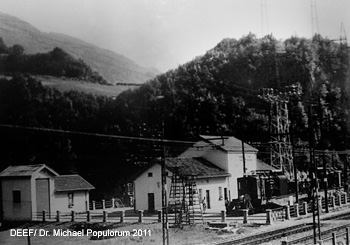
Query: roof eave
x=212, y=176
x=84, y=189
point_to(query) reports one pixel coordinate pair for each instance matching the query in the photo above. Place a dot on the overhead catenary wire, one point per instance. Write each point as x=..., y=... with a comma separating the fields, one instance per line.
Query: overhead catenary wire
x=121, y=137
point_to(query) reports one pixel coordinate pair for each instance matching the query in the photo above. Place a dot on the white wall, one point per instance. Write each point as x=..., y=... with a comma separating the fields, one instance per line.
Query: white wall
x=17, y=211
x=217, y=157
x=144, y=185
x=213, y=184
x=43, y=174
x=60, y=202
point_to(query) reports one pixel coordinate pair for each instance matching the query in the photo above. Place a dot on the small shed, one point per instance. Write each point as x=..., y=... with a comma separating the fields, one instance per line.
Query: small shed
x=71, y=193
x=29, y=189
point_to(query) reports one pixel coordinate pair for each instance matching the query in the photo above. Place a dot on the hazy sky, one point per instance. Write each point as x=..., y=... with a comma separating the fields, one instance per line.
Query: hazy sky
x=166, y=33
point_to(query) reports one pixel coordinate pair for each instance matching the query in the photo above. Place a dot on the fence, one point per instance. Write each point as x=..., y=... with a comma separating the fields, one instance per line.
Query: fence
x=91, y=216
x=130, y=216
x=103, y=204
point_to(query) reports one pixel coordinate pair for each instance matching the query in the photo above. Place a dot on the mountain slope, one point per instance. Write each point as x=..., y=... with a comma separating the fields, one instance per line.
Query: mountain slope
x=112, y=66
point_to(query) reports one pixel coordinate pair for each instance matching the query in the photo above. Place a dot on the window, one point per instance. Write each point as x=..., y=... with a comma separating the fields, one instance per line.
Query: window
x=70, y=200
x=16, y=196
x=200, y=194
x=220, y=193
x=150, y=174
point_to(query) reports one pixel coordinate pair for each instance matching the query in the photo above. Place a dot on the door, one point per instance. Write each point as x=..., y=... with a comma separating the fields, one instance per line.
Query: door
x=150, y=202
x=42, y=195
x=208, y=199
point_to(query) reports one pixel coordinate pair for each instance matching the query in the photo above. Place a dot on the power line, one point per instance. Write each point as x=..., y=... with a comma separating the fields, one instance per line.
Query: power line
x=95, y=134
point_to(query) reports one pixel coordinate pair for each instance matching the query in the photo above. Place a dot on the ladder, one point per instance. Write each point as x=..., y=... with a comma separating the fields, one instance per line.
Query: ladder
x=184, y=204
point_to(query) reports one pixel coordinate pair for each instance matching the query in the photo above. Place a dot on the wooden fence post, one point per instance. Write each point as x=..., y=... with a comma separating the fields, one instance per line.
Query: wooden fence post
x=93, y=205
x=287, y=210
x=269, y=217
x=333, y=201
x=159, y=216
x=44, y=215
x=103, y=204
x=88, y=216
x=104, y=219
x=339, y=199
x=73, y=216
x=112, y=203
x=305, y=207
x=140, y=216
x=296, y=209
x=319, y=199
x=122, y=216
x=58, y=216
x=245, y=216
x=223, y=216
x=345, y=198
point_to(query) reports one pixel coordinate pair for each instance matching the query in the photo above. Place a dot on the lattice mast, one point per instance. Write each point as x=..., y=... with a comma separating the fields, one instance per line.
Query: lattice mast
x=264, y=18
x=281, y=155
x=314, y=18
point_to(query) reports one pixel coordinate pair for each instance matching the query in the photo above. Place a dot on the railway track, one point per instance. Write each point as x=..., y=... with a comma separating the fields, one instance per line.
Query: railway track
x=280, y=233
x=325, y=233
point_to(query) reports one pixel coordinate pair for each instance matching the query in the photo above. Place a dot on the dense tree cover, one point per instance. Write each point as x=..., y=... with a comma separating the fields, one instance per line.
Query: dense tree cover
x=55, y=63
x=107, y=162
x=217, y=93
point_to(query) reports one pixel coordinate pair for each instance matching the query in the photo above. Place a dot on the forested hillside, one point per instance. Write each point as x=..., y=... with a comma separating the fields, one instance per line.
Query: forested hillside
x=115, y=68
x=217, y=93
x=208, y=94
x=55, y=63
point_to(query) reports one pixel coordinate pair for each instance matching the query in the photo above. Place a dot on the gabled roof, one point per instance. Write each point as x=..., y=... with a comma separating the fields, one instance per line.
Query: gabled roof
x=25, y=170
x=72, y=182
x=228, y=143
x=198, y=167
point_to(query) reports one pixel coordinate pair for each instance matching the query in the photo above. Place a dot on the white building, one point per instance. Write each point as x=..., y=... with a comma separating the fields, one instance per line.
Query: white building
x=215, y=161
x=226, y=152
x=29, y=189
x=211, y=181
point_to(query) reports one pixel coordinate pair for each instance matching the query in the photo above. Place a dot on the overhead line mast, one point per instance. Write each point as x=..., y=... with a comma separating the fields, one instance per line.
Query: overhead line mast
x=264, y=18
x=314, y=18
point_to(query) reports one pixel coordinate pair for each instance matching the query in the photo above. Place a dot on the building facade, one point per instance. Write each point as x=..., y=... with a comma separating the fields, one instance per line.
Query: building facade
x=29, y=189
x=211, y=183
x=227, y=153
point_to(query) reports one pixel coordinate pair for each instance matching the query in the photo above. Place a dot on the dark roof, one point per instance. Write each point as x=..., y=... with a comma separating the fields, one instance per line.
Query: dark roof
x=228, y=143
x=198, y=167
x=261, y=166
x=72, y=182
x=24, y=170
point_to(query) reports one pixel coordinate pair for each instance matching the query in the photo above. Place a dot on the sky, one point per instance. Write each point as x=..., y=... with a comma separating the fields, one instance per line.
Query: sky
x=167, y=33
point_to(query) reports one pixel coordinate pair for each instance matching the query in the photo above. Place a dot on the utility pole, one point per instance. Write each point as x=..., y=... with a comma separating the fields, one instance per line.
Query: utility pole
x=325, y=181
x=165, y=222
x=295, y=169
x=313, y=172
x=242, y=140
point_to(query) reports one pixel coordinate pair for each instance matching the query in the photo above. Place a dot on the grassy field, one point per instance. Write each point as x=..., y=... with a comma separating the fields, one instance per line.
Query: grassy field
x=66, y=84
